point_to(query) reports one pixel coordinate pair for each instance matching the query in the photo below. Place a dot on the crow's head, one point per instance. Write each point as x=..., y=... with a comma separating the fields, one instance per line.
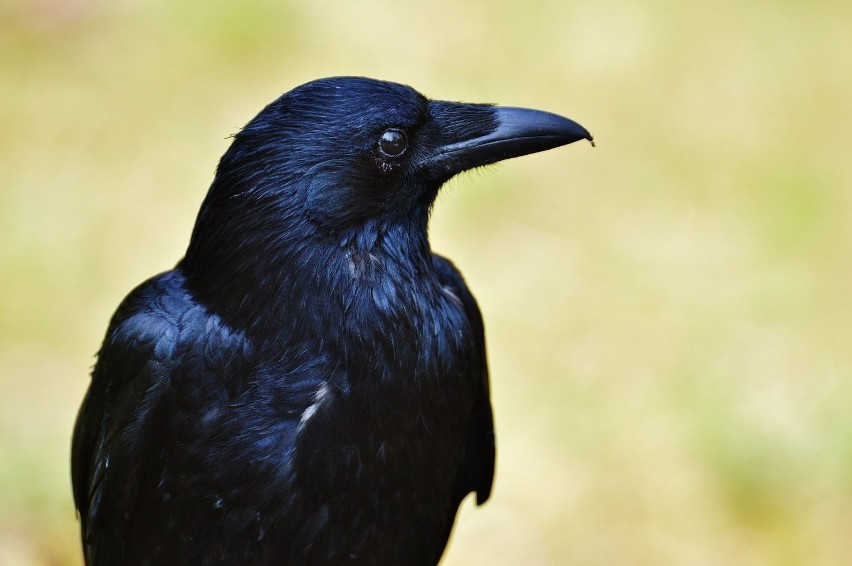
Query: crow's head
x=339, y=169
x=343, y=151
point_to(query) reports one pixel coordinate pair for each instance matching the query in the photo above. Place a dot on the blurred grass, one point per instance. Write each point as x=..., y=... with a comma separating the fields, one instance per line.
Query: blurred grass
x=668, y=314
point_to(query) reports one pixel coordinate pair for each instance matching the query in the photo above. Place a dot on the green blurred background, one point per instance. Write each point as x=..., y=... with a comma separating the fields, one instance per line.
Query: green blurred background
x=668, y=314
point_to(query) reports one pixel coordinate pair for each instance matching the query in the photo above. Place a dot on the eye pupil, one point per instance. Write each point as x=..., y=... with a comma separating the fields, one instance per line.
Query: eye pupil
x=393, y=143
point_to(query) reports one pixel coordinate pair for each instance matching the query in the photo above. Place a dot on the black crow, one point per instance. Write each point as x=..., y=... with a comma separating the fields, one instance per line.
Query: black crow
x=308, y=385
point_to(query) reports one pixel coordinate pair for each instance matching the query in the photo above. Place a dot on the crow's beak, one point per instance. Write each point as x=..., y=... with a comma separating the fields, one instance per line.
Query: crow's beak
x=519, y=131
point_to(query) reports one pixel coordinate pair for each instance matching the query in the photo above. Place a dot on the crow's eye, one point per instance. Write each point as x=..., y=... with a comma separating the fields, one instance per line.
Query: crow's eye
x=393, y=143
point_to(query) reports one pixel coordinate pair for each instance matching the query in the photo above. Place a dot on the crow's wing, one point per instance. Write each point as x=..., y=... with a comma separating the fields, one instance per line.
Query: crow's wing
x=116, y=424
x=477, y=470
x=172, y=409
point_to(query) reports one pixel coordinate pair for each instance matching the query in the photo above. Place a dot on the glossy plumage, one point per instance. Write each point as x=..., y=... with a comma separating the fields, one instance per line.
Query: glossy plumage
x=308, y=385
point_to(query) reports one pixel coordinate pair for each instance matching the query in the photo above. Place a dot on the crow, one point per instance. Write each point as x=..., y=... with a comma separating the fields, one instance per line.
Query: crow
x=308, y=385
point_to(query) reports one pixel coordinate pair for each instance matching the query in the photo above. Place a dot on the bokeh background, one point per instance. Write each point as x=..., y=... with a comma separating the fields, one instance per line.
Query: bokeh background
x=668, y=314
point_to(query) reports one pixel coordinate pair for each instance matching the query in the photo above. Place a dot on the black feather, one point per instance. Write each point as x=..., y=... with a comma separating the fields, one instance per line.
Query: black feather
x=309, y=384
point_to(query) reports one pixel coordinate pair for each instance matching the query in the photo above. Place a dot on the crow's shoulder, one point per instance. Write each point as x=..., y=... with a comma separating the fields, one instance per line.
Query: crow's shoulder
x=453, y=283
